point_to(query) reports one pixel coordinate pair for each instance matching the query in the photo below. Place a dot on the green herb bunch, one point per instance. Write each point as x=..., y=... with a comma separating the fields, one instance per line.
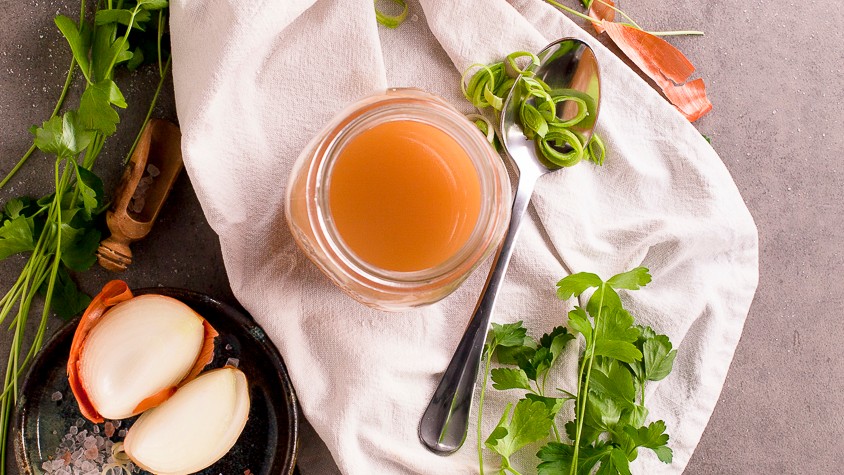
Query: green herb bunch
x=60, y=231
x=617, y=361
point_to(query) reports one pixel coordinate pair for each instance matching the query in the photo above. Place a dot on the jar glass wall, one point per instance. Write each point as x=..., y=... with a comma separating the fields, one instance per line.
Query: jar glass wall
x=398, y=199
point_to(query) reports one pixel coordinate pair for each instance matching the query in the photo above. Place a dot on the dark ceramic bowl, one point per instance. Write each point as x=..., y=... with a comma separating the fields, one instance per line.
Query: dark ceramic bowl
x=268, y=445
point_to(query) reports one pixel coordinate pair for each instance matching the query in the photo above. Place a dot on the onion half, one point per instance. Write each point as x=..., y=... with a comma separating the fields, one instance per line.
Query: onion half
x=193, y=429
x=131, y=353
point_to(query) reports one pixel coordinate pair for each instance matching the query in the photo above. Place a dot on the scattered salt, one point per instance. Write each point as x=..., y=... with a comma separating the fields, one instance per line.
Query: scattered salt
x=233, y=362
x=83, y=451
x=153, y=170
x=56, y=396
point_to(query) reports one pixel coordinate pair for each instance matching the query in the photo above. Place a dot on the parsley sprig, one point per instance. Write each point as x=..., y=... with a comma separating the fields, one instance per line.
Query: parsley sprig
x=617, y=360
x=60, y=231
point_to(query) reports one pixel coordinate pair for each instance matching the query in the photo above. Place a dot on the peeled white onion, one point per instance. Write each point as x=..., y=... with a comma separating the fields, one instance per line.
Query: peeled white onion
x=140, y=348
x=193, y=429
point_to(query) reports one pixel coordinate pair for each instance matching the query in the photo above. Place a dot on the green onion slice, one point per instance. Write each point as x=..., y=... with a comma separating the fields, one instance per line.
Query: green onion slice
x=391, y=21
x=596, y=152
x=533, y=124
x=513, y=69
x=555, y=140
x=484, y=125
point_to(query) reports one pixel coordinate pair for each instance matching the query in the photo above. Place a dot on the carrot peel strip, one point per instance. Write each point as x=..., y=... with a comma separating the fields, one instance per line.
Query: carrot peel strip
x=601, y=10
x=113, y=293
x=665, y=65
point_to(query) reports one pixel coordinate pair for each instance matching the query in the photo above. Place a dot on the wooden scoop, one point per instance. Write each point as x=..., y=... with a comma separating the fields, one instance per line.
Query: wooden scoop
x=139, y=197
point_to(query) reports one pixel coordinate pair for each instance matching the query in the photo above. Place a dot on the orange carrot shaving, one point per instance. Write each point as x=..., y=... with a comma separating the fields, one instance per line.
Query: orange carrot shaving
x=113, y=293
x=665, y=64
x=601, y=10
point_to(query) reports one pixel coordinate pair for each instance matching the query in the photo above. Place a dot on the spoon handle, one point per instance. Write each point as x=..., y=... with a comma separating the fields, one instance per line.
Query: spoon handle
x=446, y=419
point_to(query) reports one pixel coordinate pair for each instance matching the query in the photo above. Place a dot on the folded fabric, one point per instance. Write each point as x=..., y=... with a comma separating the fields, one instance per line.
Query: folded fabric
x=256, y=80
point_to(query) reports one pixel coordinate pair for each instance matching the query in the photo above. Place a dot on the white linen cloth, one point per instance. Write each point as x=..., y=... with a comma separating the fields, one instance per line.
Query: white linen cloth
x=256, y=80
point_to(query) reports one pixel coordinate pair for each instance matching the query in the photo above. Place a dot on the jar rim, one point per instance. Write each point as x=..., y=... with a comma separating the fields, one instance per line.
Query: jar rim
x=425, y=108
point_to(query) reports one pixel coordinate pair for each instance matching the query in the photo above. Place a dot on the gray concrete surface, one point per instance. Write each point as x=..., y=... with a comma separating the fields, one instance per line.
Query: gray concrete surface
x=774, y=74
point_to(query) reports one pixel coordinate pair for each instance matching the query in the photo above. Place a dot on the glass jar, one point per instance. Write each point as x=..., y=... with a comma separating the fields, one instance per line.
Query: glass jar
x=313, y=212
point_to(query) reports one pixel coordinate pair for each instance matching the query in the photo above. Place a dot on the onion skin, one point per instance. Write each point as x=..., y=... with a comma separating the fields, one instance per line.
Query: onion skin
x=113, y=293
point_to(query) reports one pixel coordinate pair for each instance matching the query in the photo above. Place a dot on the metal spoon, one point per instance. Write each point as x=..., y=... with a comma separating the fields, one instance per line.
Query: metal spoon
x=566, y=63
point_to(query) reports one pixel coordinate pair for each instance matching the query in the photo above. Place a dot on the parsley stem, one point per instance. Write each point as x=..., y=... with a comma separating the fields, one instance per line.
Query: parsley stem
x=570, y=10
x=149, y=110
x=110, y=69
x=677, y=33
x=643, y=392
x=584, y=394
x=161, y=71
x=621, y=12
x=490, y=351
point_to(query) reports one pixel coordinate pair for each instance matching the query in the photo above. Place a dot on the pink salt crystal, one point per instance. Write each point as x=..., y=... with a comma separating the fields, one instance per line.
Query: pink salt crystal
x=138, y=205
x=56, y=396
x=153, y=170
x=109, y=429
x=92, y=453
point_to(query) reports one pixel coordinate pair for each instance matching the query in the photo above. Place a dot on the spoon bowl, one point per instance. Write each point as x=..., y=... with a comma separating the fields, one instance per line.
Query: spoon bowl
x=568, y=64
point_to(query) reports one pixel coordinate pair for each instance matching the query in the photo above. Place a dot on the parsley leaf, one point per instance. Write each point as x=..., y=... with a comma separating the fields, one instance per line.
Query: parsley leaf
x=557, y=458
x=152, y=4
x=579, y=322
x=107, y=51
x=508, y=334
x=510, y=378
x=615, y=336
x=16, y=235
x=576, y=284
x=123, y=17
x=659, y=357
x=530, y=423
x=615, y=464
x=90, y=189
x=79, y=41
x=80, y=253
x=67, y=300
x=652, y=437
x=63, y=136
x=631, y=280
x=95, y=111
x=616, y=382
